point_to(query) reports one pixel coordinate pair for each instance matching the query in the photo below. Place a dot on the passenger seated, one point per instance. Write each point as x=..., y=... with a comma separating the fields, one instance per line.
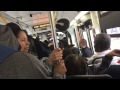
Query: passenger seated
x=102, y=45
x=76, y=65
x=106, y=68
x=19, y=65
x=69, y=50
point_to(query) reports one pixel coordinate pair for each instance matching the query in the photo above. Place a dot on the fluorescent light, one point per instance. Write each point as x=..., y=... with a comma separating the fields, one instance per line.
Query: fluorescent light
x=103, y=12
x=72, y=22
x=82, y=13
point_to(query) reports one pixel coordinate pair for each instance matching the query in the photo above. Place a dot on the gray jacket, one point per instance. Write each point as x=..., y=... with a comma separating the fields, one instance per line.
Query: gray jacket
x=20, y=65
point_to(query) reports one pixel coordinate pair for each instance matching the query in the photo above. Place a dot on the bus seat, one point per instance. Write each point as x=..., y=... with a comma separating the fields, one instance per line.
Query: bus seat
x=102, y=76
x=95, y=64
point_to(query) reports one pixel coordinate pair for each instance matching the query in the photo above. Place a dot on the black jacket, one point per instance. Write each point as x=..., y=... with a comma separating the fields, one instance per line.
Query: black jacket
x=86, y=52
x=106, y=68
x=42, y=49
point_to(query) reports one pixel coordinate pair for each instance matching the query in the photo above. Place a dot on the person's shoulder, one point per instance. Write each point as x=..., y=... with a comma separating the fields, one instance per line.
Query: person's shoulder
x=88, y=48
x=31, y=57
x=24, y=56
x=19, y=58
x=28, y=58
x=92, y=57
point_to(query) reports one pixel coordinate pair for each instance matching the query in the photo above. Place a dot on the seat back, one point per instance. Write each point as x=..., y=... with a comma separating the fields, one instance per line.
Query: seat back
x=103, y=76
x=95, y=64
x=5, y=52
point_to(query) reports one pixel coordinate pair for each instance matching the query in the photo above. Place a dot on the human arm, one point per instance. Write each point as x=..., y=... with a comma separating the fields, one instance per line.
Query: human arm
x=59, y=70
x=40, y=71
x=106, y=61
x=56, y=55
x=48, y=62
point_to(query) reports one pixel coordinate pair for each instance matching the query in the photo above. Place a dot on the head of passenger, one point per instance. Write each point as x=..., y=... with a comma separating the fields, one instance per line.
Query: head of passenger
x=75, y=65
x=46, y=42
x=23, y=40
x=69, y=50
x=102, y=42
x=15, y=28
x=21, y=36
x=65, y=42
x=83, y=43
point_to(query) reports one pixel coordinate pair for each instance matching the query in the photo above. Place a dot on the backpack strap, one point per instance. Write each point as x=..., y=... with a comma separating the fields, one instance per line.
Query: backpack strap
x=5, y=52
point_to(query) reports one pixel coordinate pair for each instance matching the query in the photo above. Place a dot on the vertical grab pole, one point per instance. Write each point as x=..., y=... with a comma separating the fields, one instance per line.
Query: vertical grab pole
x=53, y=29
x=52, y=22
x=3, y=18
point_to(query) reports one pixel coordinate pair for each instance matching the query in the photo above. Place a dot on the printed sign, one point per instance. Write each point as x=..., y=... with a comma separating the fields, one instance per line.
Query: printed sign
x=113, y=30
x=41, y=26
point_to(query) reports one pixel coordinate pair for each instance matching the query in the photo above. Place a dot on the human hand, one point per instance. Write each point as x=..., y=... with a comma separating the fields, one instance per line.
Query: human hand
x=60, y=68
x=56, y=55
x=115, y=52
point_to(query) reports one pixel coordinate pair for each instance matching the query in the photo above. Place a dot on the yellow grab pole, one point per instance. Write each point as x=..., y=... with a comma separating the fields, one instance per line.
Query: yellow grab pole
x=3, y=18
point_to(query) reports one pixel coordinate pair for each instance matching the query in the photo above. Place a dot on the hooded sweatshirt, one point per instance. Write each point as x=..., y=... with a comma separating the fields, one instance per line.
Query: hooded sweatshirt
x=20, y=65
x=7, y=37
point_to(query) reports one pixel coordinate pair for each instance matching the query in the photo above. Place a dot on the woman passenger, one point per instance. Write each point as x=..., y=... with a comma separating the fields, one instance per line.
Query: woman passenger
x=21, y=36
x=23, y=40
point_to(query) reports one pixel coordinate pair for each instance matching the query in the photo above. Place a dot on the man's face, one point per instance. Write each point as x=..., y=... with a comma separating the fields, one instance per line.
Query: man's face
x=81, y=45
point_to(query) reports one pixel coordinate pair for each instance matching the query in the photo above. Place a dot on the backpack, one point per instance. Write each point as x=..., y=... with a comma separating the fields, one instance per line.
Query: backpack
x=5, y=52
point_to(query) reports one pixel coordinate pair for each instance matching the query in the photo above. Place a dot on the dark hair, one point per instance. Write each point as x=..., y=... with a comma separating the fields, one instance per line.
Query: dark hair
x=102, y=42
x=69, y=50
x=25, y=32
x=18, y=32
x=14, y=27
x=65, y=42
x=46, y=42
x=76, y=65
x=84, y=42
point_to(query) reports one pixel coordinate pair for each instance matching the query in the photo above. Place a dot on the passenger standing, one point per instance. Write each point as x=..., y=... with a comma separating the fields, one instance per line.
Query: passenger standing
x=21, y=36
x=19, y=65
x=23, y=40
x=42, y=49
x=14, y=27
x=86, y=52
